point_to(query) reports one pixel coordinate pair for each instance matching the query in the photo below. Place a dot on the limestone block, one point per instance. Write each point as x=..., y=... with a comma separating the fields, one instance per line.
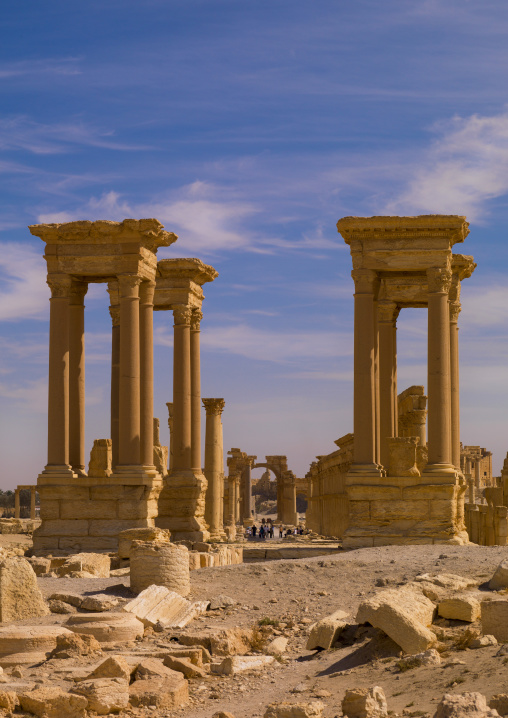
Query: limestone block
x=61, y=527
x=403, y=456
x=50, y=510
x=221, y=601
x=483, y=642
x=202, y=639
x=494, y=617
x=325, y=632
x=150, y=533
x=392, y=510
x=232, y=665
x=73, y=598
x=277, y=647
x=96, y=564
x=157, y=604
x=449, y=581
x=160, y=693
x=184, y=666
x=231, y=642
x=20, y=596
x=8, y=700
x=60, y=607
x=104, y=695
x=88, y=509
x=100, y=602
x=206, y=560
x=63, y=492
x=163, y=564
x=464, y=705
x=197, y=656
x=28, y=644
x=152, y=668
x=365, y=703
x=137, y=509
x=100, y=459
x=108, y=528
x=403, y=615
x=500, y=578
x=39, y=564
x=87, y=544
x=112, y=667
x=460, y=608
x=427, y=658
x=53, y=702
x=194, y=560
x=314, y=709
x=107, y=627
x=69, y=645
x=499, y=703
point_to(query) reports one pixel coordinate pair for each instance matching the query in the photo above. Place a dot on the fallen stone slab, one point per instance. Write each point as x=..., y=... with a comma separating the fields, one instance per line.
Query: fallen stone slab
x=314, y=709
x=39, y=564
x=231, y=642
x=159, y=692
x=221, y=601
x=112, y=667
x=20, y=596
x=104, y=695
x=233, y=665
x=197, y=656
x=403, y=614
x=202, y=638
x=325, y=632
x=99, y=602
x=61, y=608
x=460, y=608
x=499, y=703
x=107, y=627
x=464, y=705
x=74, y=599
x=152, y=668
x=500, y=578
x=53, y=702
x=427, y=658
x=20, y=645
x=365, y=703
x=277, y=647
x=450, y=581
x=158, y=605
x=494, y=618
x=94, y=564
x=184, y=665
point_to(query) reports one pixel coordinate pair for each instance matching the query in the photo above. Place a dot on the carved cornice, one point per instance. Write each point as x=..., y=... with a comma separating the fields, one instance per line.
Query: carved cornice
x=439, y=279
x=182, y=314
x=386, y=311
x=60, y=285
x=454, y=227
x=214, y=406
x=196, y=318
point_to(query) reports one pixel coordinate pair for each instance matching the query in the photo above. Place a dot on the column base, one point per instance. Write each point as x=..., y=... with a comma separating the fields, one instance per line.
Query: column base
x=181, y=505
x=87, y=514
x=404, y=510
x=58, y=470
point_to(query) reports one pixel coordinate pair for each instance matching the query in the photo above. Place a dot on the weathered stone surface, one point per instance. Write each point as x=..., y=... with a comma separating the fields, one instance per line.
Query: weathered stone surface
x=163, y=564
x=107, y=627
x=104, y=695
x=151, y=533
x=95, y=564
x=28, y=644
x=197, y=655
x=73, y=644
x=277, y=647
x=325, y=632
x=8, y=700
x=160, y=692
x=184, y=665
x=231, y=642
x=365, y=703
x=53, y=702
x=403, y=615
x=314, y=709
x=100, y=602
x=221, y=601
x=158, y=604
x=494, y=617
x=20, y=596
x=450, y=581
x=500, y=578
x=196, y=639
x=152, y=668
x=499, y=703
x=233, y=665
x=427, y=658
x=460, y=608
x=73, y=598
x=112, y=667
x=39, y=564
x=483, y=642
x=465, y=705
x=223, y=714
x=61, y=607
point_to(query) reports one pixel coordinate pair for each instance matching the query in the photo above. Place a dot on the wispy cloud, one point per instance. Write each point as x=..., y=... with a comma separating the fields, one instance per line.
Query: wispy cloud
x=23, y=294
x=35, y=68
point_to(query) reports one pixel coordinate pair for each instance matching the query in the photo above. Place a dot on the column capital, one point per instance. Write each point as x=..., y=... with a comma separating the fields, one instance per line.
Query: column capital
x=439, y=279
x=364, y=280
x=387, y=311
x=114, y=313
x=182, y=314
x=146, y=291
x=196, y=317
x=60, y=285
x=127, y=283
x=78, y=291
x=214, y=406
x=169, y=404
x=455, y=308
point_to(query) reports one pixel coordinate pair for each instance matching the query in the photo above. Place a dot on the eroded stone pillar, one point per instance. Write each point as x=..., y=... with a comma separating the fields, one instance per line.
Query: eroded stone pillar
x=114, y=311
x=182, y=405
x=169, y=404
x=77, y=377
x=213, y=467
x=454, y=383
x=16, y=504
x=146, y=293
x=439, y=393
x=364, y=371
x=195, y=368
x=58, y=380
x=129, y=403
x=387, y=377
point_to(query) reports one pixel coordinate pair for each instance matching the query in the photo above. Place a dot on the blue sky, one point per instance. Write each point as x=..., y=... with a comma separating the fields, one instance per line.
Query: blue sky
x=249, y=128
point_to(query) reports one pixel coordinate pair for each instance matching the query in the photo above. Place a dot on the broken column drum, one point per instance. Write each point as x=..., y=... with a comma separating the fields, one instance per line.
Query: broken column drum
x=160, y=563
x=401, y=262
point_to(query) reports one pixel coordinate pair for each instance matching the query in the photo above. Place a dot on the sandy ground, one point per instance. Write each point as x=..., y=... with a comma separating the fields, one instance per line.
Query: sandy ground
x=297, y=593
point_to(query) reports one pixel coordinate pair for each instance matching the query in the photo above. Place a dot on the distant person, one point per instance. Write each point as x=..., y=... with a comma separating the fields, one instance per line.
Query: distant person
x=254, y=530
x=261, y=532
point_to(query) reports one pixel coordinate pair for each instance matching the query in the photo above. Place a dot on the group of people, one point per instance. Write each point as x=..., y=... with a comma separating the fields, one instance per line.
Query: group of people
x=268, y=530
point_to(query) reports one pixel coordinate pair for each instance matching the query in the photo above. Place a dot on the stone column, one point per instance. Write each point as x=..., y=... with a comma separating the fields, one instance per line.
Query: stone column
x=213, y=467
x=32, y=502
x=364, y=371
x=129, y=416
x=182, y=458
x=247, y=489
x=439, y=411
x=58, y=380
x=195, y=368
x=77, y=377
x=231, y=523
x=16, y=504
x=387, y=411
x=114, y=311
x=169, y=404
x=454, y=383
x=477, y=465
x=146, y=293
x=394, y=387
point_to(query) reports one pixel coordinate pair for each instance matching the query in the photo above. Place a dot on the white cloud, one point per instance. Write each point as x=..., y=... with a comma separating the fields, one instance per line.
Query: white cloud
x=32, y=395
x=36, y=68
x=464, y=168
x=24, y=293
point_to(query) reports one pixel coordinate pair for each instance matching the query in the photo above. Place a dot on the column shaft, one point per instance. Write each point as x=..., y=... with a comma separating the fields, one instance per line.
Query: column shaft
x=213, y=468
x=454, y=383
x=146, y=293
x=32, y=502
x=182, y=458
x=169, y=404
x=387, y=410
x=195, y=366
x=377, y=396
x=77, y=378
x=115, y=384
x=247, y=492
x=477, y=479
x=394, y=382
x=439, y=413
x=16, y=504
x=129, y=403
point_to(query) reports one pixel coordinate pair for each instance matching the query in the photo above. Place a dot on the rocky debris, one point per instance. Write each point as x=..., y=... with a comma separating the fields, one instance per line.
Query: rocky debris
x=170, y=692
x=500, y=578
x=60, y=607
x=277, y=647
x=494, y=617
x=325, y=632
x=125, y=538
x=158, y=605
x=464, y=705
x=99, y=602
x=53, y=702
x=427, y=658
x=365, y=703
x=152, y=668
x=295, y=710
x=73, y=599
x=184, y=665
x=403, y=615
x=460, y=608
x=483, y=642
x=119, y=572
x=231, y=642
x=499, y=702
x=440, y=586
x=20, y=596
x=85, y=565
x=21, y=645
x=104, y=695
x=233, y=665
x=223, y=714
x=197, y=656
x=39, y=564
x=107, y=627
x=221, y=601
x=163, y=564
x=112, y=667
x=69, y=645
x=8, y=700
